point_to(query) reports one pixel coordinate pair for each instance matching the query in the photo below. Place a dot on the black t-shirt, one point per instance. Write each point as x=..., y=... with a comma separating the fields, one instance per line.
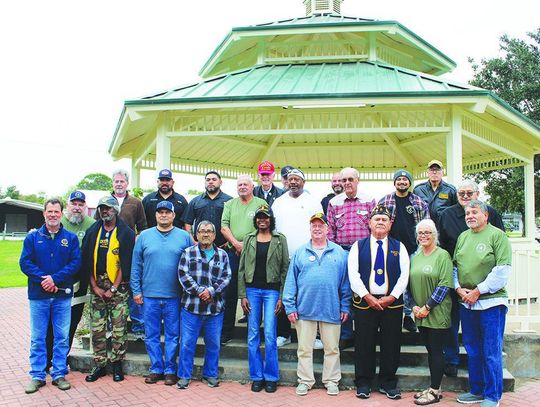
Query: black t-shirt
x=404, y=224
x=103, y=249
x=259, y=277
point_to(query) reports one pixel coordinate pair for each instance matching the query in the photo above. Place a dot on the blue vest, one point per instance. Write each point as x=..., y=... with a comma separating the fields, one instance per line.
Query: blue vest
x=393, y=269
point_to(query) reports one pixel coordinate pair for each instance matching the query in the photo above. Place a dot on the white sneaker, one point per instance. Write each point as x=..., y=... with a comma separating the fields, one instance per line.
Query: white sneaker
x=302, y=389
x=318, y=344
x=282, y=341
x=332, y=389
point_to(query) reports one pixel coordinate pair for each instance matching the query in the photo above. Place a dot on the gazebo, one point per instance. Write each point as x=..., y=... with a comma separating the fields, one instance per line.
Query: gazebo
x=323, y=92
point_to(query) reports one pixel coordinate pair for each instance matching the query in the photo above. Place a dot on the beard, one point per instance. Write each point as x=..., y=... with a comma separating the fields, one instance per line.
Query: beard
x=338, y=189
x=75, y=218
x=212, y=188
x=165, y=189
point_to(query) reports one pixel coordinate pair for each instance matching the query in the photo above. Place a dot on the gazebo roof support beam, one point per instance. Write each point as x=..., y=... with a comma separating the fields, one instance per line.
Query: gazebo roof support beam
x=401, y=151
x=315, y=146
x=454, y=148
x=240, y=141
x=422, y=139
x=147, y=144
x=522, y=155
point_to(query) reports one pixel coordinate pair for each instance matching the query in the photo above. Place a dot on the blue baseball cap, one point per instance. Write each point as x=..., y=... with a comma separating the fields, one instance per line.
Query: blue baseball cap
x=77, y=195
x=165, y=205
x=165, y=173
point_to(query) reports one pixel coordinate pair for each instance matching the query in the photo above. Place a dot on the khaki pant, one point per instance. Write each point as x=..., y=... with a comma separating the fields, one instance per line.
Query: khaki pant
x=307, y=332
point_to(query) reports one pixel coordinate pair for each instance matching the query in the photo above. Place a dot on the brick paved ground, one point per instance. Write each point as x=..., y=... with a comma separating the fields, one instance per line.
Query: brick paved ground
x=14, y=341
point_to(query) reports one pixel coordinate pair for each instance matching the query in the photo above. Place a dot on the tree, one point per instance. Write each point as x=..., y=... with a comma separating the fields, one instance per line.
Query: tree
x=515, y=77
x=95, y=181
x=11, y=192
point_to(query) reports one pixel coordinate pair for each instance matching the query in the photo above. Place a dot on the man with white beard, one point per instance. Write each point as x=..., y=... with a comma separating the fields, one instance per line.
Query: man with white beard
x=75, y=220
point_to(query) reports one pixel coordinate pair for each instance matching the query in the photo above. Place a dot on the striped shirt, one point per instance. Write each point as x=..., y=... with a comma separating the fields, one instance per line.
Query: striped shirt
x=348, y=218
x=196, y=273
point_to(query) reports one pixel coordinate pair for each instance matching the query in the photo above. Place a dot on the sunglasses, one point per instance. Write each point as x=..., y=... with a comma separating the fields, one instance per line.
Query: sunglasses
x=466, y=193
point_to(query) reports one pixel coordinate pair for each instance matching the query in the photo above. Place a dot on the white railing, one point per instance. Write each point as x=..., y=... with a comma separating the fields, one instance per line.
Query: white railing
x=524, y=284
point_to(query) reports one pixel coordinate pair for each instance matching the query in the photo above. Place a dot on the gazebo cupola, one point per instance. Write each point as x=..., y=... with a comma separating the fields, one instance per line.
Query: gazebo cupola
x=314, y=7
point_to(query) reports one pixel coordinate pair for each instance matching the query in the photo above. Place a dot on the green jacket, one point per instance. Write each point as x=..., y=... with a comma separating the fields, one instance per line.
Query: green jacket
x=277, y=262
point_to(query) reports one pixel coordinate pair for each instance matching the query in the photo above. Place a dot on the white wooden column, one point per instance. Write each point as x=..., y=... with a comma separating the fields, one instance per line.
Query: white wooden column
x=529, y=221
x=454, y=148
x=163, y=146
x=135, y=175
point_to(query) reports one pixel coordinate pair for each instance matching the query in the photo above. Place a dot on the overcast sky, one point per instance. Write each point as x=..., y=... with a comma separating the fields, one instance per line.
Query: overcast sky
x=68, y=66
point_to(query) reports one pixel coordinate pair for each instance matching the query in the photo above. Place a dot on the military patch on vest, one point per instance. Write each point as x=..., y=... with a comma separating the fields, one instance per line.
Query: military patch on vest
x=64, y=242
x=395, y=252
x=443, y=196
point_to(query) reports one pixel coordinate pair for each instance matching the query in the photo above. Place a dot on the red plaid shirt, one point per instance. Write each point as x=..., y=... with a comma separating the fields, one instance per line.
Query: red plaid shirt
x=348, y=218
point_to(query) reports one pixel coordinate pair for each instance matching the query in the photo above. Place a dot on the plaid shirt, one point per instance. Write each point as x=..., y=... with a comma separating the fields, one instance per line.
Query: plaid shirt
x=196, y=274
x=348, y=219
x=421, y=210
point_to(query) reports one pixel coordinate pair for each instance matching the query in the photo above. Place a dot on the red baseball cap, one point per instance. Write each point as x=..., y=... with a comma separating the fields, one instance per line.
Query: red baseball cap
x=266, y=167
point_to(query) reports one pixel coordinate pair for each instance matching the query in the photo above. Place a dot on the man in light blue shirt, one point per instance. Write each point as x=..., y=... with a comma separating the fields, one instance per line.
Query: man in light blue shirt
x=154, y=283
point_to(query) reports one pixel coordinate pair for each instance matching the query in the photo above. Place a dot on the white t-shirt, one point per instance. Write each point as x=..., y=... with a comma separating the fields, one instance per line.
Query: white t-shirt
x=292, y=218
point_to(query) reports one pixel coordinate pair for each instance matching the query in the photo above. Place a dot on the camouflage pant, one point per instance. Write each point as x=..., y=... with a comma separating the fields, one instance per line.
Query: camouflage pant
x=115, y=310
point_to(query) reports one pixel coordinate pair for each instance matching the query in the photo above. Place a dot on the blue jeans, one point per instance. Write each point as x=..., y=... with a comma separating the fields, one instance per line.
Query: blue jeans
x=168, y=310
x=451, y=345
x=483, y=333
x=136, y=316
x=190, y=327
x=58, y=311
x=262, y=300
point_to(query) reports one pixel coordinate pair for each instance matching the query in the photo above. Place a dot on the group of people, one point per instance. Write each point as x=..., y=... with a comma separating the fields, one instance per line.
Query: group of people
x=349, y=270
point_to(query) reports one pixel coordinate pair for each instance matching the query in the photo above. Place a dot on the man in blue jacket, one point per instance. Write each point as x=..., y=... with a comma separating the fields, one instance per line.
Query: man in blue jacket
x=50, y=258
x=317, y=294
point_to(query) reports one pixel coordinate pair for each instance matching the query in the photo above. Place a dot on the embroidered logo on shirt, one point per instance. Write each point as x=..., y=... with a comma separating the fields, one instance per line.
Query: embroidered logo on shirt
x=64, y=242
x=409, y=209
x=481, y=247
x=427, y=269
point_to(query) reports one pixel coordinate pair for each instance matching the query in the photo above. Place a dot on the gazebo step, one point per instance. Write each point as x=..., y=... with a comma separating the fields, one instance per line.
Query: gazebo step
x=236, y=369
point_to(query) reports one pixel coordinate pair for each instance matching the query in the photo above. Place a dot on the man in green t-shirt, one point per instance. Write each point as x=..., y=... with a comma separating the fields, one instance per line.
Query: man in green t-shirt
x=237, y=222
x=483, y=257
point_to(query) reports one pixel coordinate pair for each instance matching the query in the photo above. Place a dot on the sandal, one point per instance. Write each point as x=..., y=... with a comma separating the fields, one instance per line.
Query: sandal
x=420, y=393
x=429, y=396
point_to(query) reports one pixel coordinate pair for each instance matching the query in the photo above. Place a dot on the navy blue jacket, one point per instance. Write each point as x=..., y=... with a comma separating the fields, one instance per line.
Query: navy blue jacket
x=42, y=255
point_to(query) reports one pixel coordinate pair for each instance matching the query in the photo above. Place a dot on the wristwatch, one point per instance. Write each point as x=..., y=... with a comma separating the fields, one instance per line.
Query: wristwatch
x=427, y=307
x=113, y=289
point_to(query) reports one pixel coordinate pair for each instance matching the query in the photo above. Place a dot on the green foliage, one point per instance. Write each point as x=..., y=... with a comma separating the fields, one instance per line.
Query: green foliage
x=515, y=77
x=137, y=192
x=11, y=192
x=194, y=192
x=10, y=273
x=95, y=181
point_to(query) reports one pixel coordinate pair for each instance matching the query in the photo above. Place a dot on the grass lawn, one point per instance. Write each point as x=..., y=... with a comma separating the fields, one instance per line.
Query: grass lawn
x=10, y=273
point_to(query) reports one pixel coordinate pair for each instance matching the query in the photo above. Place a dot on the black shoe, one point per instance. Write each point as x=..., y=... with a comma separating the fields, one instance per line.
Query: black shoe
x=118, y=374
x=257, y=386
x=346, y=343
x=225, y=339
x=242, y=320
x=96, y=373
x=270, y=387
x=394, y=394
x=450, y=370
x=409, y=325
x=363, y=392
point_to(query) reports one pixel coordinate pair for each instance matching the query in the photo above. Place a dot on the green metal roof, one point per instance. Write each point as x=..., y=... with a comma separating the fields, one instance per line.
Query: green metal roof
x=240, y=48
x=297, y=81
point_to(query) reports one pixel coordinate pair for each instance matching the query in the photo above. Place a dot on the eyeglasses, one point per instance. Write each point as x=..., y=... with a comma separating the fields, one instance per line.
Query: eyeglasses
x=435, y=170
x=426, y=233
x=350, y=179
x=206, y=232
x=465, y=193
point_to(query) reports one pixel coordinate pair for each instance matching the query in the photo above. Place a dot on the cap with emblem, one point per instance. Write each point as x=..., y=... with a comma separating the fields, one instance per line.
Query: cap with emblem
x=109, y=201
x=380, y=210
x=319, y=216
x=403, y=173
x=165, y=173
x=285, y=171
x=264, y=210
x=266, y=167
x=77, y=195
x=165, y=205
x=434, y=163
